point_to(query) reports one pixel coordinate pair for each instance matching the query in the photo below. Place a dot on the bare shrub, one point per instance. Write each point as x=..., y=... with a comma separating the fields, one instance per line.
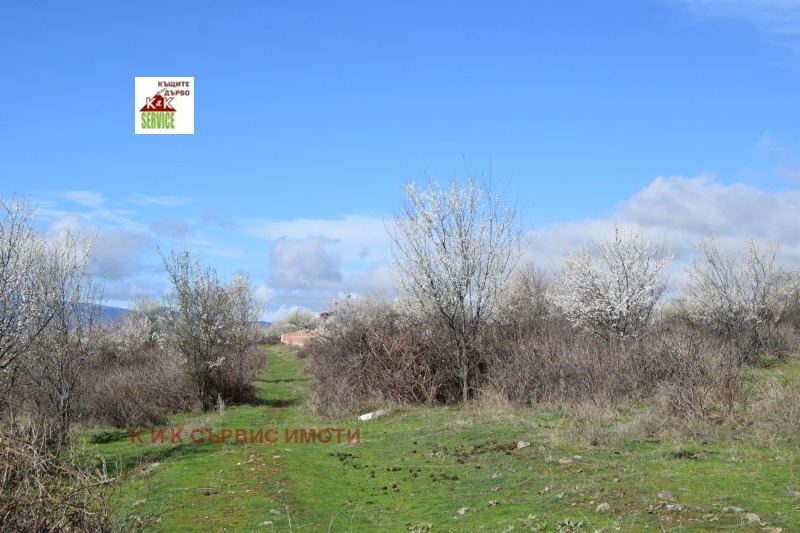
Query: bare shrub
x=495, y=402
x=697, y=380
x=742, y=295
x=39, y=491
x=556, y=366
x=725, y=400
x=267, y=338
x=774, y=408
x=130, y=380
x=530, y=369
x=370, y=355
x=598, y=425
x=525, y=303
x=143, y=388
x=676, y=363
x=236, y=376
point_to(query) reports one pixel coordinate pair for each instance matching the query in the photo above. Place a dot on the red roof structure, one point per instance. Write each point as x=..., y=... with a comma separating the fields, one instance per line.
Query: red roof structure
x=158, y=103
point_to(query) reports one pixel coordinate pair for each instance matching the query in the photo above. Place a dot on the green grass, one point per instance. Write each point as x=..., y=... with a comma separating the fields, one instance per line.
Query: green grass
x=416, y=467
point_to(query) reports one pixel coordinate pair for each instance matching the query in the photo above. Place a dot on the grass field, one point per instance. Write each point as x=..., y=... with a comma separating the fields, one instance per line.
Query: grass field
x=448, y=469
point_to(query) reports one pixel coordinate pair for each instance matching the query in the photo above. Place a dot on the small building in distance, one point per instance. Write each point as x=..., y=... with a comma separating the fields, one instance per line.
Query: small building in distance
x=299, y=338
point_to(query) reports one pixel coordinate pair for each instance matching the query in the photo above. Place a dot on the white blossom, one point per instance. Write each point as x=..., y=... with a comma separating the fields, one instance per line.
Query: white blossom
x=611, y=287
x=41, y=281
x=454, y=251
x=208, y=321
x=739, y=291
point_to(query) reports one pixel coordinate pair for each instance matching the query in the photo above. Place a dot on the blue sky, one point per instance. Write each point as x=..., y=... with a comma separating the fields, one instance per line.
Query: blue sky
x=680, y=116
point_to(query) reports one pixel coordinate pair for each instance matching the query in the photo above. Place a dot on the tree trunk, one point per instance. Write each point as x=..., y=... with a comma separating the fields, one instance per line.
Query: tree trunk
x=464, y=376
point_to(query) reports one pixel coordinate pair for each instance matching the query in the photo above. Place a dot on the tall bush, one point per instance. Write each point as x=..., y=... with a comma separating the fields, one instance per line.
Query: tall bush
x=454, y=250
x=211, y=324
x=611, y=287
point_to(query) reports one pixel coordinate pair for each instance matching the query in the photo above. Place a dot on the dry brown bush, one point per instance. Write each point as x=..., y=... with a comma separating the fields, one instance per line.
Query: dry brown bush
x=598, y=425
x=130, y=381
x=388, y=359
x=699, y=381
x=682, y=366
x=556, y=365
x=41, y=492
x=235, y=379
x=372, y=356
x=147, y=386
x=677, y=379
x=142, y=388
x=773, y=412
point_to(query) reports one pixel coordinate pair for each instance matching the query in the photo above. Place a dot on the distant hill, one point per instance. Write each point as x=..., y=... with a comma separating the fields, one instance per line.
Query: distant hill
x=112, y=314
x=116, y=314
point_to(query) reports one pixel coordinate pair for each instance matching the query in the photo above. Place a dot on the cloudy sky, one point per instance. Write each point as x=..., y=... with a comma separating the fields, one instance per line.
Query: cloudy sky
x=680, y=116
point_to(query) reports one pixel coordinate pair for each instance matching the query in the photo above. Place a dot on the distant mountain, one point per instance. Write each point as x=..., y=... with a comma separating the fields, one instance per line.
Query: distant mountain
x=116, y=314
x=112, y=314
x=108, y=314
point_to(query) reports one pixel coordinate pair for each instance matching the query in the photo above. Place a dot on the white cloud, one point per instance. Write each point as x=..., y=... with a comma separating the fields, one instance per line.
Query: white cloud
x=116, y=252
x=690, y=208
x=320, y=296
x=304, y=264
x=790, y=173
x=171, y=228
x=316, y=261
x=121, y=293
x=354, y=237
x=264, y=292
x=143, y=199
x=96, y=215
x=377, y=277
x=84, y=198
x=277, y=313
x=681, y=211
x=786, y=157
x=780, y=18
